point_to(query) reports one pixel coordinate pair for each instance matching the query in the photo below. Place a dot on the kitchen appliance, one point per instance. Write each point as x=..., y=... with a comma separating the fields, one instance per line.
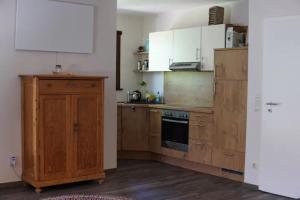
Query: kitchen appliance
x=236, y=36
x=175, y=130
x=186, y=66
x=134, y=96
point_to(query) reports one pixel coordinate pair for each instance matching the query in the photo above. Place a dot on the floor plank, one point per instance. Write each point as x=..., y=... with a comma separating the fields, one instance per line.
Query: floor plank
x=147, y=180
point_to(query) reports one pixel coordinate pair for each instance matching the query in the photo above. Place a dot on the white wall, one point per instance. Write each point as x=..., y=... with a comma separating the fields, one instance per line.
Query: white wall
x=132, y=28
x=236, y=13
x=258, y=11
x=13, y=63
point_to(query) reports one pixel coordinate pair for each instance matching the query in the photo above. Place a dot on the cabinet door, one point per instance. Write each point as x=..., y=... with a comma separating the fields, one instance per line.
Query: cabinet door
x=186, y=45
x=135, y=129
x=212, y=37
x=55, y=133
x=200, y=152
x=160, y=50
x=88, y=135
x=155, y=122
x=119, y=126
x=231, y=64
x=230, y=115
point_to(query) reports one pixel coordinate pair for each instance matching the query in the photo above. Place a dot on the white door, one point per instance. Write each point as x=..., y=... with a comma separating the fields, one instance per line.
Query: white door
x=187, y=44
x=279, y=171
x=212, y=37
x=160, y=50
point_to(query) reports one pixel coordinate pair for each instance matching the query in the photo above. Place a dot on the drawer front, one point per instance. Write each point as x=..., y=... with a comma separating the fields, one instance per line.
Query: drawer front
x=202, y=131
x=172, y=153
x=227, y=159
x=200, y=117
x=200, y=152
x=69, y=86
x=155, y=144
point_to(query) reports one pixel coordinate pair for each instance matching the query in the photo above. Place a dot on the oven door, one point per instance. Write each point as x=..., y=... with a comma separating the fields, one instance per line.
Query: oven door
x=175, y=133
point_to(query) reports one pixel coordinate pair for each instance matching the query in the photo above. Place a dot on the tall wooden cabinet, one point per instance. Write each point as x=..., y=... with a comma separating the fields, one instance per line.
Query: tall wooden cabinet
x=62, y=129
x=230, y=108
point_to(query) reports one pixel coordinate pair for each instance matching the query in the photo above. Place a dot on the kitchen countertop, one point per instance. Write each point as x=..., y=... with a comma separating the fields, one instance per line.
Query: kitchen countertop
x=172, y=107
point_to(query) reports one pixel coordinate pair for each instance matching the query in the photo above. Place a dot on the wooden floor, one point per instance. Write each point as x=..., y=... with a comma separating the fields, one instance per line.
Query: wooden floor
x=147, y=180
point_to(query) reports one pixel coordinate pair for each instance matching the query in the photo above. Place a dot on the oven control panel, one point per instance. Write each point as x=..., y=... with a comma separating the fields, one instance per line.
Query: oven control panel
x=175, y=114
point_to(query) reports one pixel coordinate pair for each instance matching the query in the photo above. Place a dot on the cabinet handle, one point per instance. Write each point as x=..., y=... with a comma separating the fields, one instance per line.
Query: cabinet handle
x=132, y=108
x=76, y=128
x=70, y=84
x=93, y=85
x=229, y=154
x=49, y=85
x=215, y=85
x=197, y=56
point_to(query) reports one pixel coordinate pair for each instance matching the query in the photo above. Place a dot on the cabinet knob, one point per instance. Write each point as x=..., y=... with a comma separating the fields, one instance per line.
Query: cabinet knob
x=76, y=128
x=133, y=108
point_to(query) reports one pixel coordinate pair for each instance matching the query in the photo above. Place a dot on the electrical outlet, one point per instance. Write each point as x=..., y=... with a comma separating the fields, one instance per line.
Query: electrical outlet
x=12, y=161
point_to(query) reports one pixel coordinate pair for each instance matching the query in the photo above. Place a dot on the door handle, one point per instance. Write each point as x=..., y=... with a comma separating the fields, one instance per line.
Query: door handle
x=76, y=128
x=272, y=104
x=197, y=53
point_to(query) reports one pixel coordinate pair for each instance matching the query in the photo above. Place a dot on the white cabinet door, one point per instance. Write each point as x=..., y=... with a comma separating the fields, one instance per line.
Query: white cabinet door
x=160, y=50
x=212, y=37
x=187, y=44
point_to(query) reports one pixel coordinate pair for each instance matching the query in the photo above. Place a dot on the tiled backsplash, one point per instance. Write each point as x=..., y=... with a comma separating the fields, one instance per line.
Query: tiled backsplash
x=189, y=88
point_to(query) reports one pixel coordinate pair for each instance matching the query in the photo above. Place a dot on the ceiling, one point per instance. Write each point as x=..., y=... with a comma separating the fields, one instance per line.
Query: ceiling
x=160, y=6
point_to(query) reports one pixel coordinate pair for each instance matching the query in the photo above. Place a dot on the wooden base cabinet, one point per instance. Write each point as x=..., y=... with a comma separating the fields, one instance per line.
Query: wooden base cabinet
x=62, y=129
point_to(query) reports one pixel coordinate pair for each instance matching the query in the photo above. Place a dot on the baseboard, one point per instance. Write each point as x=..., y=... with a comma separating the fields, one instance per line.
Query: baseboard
x=203, y=168
x=11, y=184
x=134, y=155
x=110, y=171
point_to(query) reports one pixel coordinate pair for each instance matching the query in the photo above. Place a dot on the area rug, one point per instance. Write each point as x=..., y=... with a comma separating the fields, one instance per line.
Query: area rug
x=87, y=197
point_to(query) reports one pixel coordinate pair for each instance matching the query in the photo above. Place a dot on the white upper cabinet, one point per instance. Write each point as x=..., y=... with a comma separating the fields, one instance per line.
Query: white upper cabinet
x=195, y=44
x=160, y=50
x=212, y=37
x=187, y=45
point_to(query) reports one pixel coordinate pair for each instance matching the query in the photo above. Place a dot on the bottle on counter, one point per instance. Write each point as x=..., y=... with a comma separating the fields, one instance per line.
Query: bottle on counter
x=158, y=98
x=128, y=98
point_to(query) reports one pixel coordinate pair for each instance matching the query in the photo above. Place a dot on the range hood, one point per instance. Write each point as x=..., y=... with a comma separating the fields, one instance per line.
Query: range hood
x=185, y=66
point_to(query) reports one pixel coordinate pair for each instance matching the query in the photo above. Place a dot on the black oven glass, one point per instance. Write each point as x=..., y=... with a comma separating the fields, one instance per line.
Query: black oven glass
x=175, y=133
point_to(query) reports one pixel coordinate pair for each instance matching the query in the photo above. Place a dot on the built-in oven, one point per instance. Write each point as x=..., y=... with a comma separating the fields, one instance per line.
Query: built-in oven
x=175, y=130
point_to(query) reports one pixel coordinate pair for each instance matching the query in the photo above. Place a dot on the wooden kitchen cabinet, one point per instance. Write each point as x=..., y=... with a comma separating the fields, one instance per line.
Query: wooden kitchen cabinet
x=62, y=129
x=135, y=128
x=230, y=114
x=201, y=130
x=155, y=131
x=231, y=64
x=119, y=128
x=230, y=108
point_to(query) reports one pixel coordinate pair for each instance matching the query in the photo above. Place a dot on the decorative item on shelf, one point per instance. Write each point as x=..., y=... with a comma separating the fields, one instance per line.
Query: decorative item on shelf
x=58, y=69
x=139, y=65
x=216, y=15
x=145, y=65
x=141, y=49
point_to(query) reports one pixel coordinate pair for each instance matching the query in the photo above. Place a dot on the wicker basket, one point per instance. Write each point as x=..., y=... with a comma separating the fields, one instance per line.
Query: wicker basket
x=216, y=15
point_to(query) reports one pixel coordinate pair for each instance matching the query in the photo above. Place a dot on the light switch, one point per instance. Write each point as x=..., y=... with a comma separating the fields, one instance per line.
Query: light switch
x=257, y=103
